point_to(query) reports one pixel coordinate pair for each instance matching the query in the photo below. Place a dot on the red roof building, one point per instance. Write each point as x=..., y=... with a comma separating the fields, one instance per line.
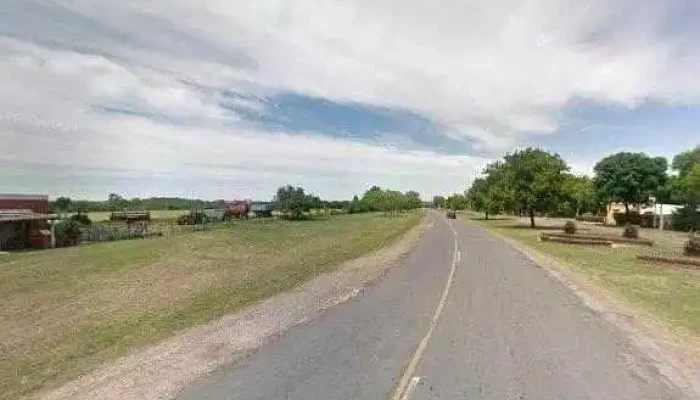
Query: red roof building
x=24, y=222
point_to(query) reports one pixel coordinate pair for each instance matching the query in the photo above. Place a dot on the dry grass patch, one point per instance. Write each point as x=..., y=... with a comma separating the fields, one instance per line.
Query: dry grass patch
x=67, y=310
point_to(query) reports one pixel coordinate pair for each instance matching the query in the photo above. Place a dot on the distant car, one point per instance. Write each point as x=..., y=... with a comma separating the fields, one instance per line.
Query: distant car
x=451, y=215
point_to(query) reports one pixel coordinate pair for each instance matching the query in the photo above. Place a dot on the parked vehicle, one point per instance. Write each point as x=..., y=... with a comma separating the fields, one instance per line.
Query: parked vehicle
x=451, y=215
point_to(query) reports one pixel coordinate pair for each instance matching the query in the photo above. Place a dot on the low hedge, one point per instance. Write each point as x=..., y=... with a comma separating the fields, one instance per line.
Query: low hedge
x=570, y=239
x=614, y=239
x=693, y=263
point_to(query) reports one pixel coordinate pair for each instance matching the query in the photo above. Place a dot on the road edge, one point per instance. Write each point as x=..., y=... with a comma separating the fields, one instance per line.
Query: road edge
x=675, y=360
x=163, y=370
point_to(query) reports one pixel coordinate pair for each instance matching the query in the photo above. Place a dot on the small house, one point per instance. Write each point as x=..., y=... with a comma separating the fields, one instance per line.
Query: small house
x=24, y=222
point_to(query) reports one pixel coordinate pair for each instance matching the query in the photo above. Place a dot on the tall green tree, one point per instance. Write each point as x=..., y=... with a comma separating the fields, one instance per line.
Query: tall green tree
x=685, y=162
x=438, y=201
x=536, y=178
x=294, y=201
x=579, y=191
x=629, y=178
x=63, y=204
x=483, y=197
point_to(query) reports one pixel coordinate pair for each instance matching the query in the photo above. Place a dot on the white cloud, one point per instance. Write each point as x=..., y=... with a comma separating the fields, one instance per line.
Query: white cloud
x=488, y=72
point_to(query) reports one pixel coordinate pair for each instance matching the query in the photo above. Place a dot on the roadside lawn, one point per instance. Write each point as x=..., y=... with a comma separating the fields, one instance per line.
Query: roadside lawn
x=670, y=293
x=67, y=310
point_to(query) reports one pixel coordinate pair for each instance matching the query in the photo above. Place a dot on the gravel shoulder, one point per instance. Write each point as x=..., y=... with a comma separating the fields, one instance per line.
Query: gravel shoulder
x=163, y=370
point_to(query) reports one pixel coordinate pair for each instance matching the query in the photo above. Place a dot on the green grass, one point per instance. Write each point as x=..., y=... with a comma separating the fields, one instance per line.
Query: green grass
x=671, y=294
x=68, y=310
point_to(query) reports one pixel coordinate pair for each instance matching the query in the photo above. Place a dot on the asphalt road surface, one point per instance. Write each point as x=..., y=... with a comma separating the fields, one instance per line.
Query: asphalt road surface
x=465, y=317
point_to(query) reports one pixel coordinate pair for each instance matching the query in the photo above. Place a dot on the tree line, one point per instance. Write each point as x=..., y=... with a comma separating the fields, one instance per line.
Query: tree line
x=295, y=202
x=292, y=201
x=534, y=181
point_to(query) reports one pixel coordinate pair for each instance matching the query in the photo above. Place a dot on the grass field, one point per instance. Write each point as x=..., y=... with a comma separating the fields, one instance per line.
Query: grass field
x=67, y=310
x=671, y=294
x=99, y=216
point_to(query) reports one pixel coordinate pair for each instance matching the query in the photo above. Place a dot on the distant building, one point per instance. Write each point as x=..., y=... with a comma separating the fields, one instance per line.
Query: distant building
x=24, y=222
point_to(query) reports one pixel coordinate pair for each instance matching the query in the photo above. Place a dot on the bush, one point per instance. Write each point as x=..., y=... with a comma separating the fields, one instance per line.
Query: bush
x=193, y=218
x=68, y=232
x=83, y=219
x=686, y=219
x=631, y=231
x=570, y=228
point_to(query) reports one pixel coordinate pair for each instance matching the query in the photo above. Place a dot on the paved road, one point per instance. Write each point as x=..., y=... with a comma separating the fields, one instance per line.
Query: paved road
x=505, y=331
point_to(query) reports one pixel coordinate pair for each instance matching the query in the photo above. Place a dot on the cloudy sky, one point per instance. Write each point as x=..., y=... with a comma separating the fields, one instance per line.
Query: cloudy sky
x=229, y=98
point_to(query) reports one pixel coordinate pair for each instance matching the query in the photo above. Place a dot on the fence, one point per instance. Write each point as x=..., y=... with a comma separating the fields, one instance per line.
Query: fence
x=107, y=232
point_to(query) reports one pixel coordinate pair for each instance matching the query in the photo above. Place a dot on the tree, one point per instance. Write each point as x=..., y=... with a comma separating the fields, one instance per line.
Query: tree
x=629, y=178
x=438, y=201
x=63, y=204
x=482, y=197
x=536, y=178
x=579, y=192
x=685, y=162
x=294, y=202
x=412, y=200
x=456, y=202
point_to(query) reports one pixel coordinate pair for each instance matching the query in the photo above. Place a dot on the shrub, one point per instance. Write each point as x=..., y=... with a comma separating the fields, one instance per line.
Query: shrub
x=68, y=232
x=570, y=228
x=686, y=219
x=631, y=231
x=193, y=218
x=692, y=246
x=83, y=219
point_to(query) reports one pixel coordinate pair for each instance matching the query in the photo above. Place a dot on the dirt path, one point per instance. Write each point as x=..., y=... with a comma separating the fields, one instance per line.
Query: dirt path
x=161, y=371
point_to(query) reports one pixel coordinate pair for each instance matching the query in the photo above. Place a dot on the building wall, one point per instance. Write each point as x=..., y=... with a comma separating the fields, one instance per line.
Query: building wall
x=38, y=204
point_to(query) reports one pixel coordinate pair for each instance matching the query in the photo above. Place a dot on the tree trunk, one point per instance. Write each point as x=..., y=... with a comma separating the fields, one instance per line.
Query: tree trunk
x=578, y=211
x=627, y=211
x=532, y=218
x=486, y=214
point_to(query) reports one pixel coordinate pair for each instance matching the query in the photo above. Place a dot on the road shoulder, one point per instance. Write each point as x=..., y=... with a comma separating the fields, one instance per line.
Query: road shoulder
x=676, y=358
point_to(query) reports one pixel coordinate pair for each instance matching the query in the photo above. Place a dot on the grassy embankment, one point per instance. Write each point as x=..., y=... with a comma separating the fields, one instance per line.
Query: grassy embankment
x=671, y=294
x=67, y=310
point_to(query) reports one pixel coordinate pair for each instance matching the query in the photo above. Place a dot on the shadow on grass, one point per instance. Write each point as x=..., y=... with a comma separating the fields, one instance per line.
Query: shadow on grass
x=540, y=228
x=492, y=219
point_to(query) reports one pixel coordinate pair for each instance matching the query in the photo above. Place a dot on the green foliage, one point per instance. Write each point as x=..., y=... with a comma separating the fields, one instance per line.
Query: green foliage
x=579, y=194
x=193, y=218
x=389, y=201
x=62, y=204
x=67, y=232
x=439, y=202
x=293, y=202
x=83, y=219
x=570, y=227
x=456, y=202
x=685, y=162
x=630, y=178
x=631, y=231
x=686, y=219
x=536, y=178
x=687, y=186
